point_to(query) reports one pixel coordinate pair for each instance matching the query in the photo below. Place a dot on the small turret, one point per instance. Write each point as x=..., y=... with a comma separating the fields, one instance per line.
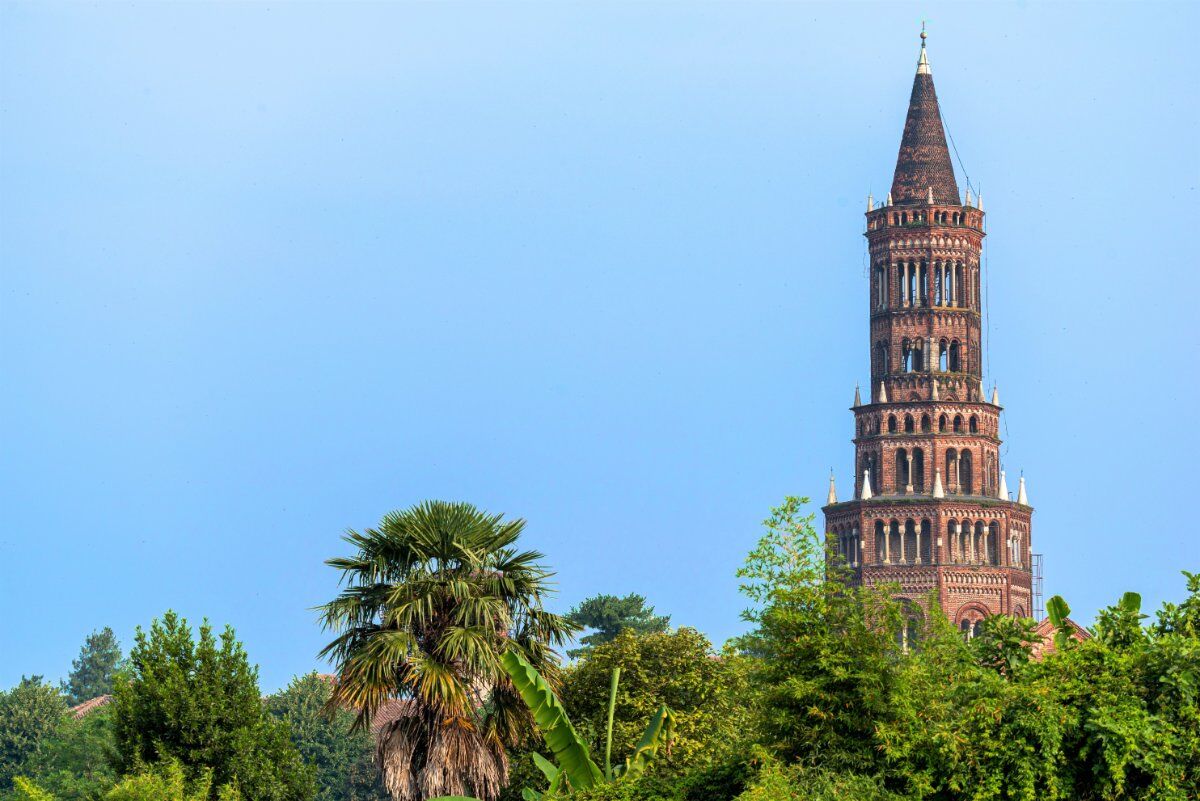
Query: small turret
x=938, y=490
x=870, y=202
x=1003, y=493
x=933, y=393
x=832, y=489
x=857, y=397
x=995, y=395
x=865, y=495
x=882, y=393
x=1022, y=498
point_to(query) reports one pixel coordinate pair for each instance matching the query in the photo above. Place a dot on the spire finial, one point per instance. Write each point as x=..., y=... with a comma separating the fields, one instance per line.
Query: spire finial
x=923, y=63
x=832, y=489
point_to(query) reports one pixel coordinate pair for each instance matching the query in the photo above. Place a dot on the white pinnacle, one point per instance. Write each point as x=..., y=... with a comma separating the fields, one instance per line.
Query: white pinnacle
x=866, y=488
x=882, y=393
x=995, y=395
x=968, y=203
x=870, y=202
x=1022, y=498
x=938, y=490
x=888, y=202
x=930, y=198
x=832, y=489
x=857, y=396
x=933, y=395
x=1003, y=493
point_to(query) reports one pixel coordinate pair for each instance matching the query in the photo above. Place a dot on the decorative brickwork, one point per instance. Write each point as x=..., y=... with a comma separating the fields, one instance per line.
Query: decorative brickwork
x=931, y=508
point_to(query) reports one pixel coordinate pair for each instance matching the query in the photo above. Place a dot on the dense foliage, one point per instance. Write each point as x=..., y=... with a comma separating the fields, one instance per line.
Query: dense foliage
x=708, y=694
x=29, y=714
x=343, y=758
x=198, y=702
x=608, y=616
x=92, y=673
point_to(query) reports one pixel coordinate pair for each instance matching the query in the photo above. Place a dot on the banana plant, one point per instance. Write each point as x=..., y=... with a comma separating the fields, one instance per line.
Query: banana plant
x=575, y=769
x=1057, y=610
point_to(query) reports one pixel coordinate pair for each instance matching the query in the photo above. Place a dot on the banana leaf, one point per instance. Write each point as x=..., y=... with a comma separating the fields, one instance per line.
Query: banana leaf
x=569, y=749
x=658, y=733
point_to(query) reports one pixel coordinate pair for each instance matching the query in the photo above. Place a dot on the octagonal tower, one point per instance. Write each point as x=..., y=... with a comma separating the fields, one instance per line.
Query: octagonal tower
x=931, y=507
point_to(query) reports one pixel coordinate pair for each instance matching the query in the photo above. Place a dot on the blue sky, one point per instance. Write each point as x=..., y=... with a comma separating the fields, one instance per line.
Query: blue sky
x=270, y=271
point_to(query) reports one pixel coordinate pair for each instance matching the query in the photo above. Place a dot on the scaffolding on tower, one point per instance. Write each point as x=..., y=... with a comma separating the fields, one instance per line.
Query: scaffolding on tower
x=1039, y=605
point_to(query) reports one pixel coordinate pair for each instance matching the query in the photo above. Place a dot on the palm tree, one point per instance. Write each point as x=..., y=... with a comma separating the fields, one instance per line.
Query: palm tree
x=430, y=601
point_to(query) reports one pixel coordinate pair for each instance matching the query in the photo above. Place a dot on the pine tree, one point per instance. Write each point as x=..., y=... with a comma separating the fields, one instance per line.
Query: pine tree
x=609, y=615
x=92, y=673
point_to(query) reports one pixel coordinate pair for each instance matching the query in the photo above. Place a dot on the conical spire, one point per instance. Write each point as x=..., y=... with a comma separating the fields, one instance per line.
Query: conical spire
x=870, y=202
x=923, y=166
x=1022, y=498
x=1003, y=493
x=933, y=394
x=938, y=490
x=865, y=495
x=832, y=489
x=995, y=395
x=882, y=393
x=857, y=396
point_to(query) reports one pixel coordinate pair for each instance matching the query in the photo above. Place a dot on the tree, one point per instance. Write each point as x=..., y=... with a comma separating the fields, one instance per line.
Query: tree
x=197, y=701
x=709, y=696
x=432, y=599
x=344, y=760
x=29, y=715
x=827, y=653
x=74, y=762
x=610, y=615
x=92, y=673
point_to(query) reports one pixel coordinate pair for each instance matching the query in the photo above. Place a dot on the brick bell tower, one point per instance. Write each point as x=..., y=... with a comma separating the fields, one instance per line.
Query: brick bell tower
x=931, y=507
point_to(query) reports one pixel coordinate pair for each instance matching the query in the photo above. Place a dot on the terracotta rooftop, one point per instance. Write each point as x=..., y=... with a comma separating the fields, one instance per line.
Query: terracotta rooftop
x=88, y=707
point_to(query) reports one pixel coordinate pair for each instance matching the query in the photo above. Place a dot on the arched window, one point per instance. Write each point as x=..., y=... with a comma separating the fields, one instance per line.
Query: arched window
x=891, y=421
x=926, y=550
x=906, y=360
x=918, y=469
x=958, y=423
x=942, y=423
x=993, y=544
x=955, y=357
x=943, y=356
x=965, y=473
x=925, y=424
x=974, y=422
x=880, y=540
x=903, y=479
x=908, y=424
x=976, y=627
x=951, y=469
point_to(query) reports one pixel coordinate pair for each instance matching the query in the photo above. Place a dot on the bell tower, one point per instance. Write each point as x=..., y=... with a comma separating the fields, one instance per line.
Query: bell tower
x=931, y=507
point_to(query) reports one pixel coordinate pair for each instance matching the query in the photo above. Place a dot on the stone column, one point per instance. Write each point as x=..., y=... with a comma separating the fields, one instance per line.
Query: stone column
x=917, y=555
x=908, y=487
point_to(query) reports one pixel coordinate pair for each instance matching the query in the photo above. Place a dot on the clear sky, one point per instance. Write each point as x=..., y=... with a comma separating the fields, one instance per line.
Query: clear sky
x=268, y=271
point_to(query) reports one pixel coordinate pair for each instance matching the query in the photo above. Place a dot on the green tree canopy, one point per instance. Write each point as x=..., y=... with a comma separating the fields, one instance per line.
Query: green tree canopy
x=609, y=615
x=197, y=701
x=29, y=715
x=344, y=760
x=709, y=696
x=92, y=672
x=74, y=762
